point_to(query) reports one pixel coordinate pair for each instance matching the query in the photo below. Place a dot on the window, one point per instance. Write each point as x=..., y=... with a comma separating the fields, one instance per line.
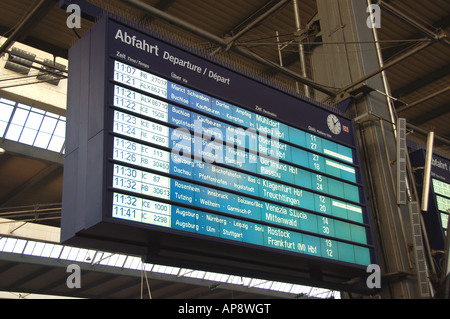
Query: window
x=32, y=126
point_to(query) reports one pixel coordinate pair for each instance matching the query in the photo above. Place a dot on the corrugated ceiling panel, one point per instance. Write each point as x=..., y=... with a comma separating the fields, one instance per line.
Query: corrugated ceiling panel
x=424, y=12
x=217, y=17
x=418, y=66
x=15, y=9
x=55, y=24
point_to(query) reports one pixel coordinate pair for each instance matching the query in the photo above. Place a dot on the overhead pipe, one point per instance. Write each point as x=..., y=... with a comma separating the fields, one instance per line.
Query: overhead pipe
x=300, y=46
x=388, y=65
x=223, y=43
x=400, y=15
x=231, y=39
x=387, y=89
x=424, y=99
x=27, y=22
x=427, y=172
x=260, y=18
x=423, y=132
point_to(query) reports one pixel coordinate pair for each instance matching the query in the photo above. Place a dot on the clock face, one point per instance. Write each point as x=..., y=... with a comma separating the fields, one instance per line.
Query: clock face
x=334, y=124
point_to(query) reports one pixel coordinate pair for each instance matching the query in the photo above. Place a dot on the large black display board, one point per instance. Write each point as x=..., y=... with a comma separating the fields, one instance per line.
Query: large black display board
x=176, y=157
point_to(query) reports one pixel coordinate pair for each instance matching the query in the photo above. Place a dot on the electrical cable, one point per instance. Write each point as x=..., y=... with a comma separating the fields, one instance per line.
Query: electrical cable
x=30, y=83
x=293, y=42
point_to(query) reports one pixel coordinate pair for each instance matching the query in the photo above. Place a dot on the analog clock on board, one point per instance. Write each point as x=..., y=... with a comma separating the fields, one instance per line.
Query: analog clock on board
x=334, y=124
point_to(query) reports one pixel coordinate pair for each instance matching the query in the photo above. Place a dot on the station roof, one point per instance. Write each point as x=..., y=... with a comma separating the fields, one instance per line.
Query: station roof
x=31, y=179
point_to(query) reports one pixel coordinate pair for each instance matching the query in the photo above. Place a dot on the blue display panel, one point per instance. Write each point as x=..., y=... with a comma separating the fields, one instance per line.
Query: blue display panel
x=435, y=218
x=274, y=174
x=173, y=156
x=442, y=191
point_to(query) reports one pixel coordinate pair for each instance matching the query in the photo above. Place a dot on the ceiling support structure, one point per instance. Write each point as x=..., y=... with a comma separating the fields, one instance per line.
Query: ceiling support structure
x=250, y=23
x=416, y=129
x=424, y=99
x=301, y=50
x=48, y=173
x=258, y=18
x=416, y=25
x=388, y=65
x=433, y=76
x=35, y=15
x=225, y=44
x=433, y=114
x=344, y=22
x=432, y=36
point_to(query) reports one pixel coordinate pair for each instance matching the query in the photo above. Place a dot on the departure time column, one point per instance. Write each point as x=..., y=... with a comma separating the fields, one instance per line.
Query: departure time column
x=130, y=179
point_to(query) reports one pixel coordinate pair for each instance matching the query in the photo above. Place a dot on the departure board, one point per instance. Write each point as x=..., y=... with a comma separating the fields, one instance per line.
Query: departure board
x=436, y=217
x=202, y=148
x=442, y=191
x=188, y=148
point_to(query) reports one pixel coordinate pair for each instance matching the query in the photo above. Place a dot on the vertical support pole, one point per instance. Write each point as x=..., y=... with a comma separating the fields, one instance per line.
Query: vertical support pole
x=446, y=266
x=427, y=172
x=279, y=49
x=387, y=90
x=300, y=46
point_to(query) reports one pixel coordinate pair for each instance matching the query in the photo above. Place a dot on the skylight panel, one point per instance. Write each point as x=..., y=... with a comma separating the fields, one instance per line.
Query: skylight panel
x=8, y=245
x=47, y=250
x=56, y=144
x=60, y=129
x=20, y=117
x=38, y=248
x=56, y=251
x=28, y=136
x=48, y=125
x=42, y=140
x=5, y=115
x=34, y=121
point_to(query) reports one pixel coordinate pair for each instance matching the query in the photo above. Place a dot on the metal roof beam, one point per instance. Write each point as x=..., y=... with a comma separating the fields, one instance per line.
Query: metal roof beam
x=431, y=115
x=433, y=76
x=102, y=279
x=30, y=20
x=268, y=9
x=250, y=19
x=424, y=99
x=444, y=140
x=16, y=286
x=40, y=44
x=165, y=4
x=390, y=52
x=413, y=23
x=46, y=174
x=223, y=43
x=388, y=65
x=32, y=152
x=162, y=5
x=133, y=282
